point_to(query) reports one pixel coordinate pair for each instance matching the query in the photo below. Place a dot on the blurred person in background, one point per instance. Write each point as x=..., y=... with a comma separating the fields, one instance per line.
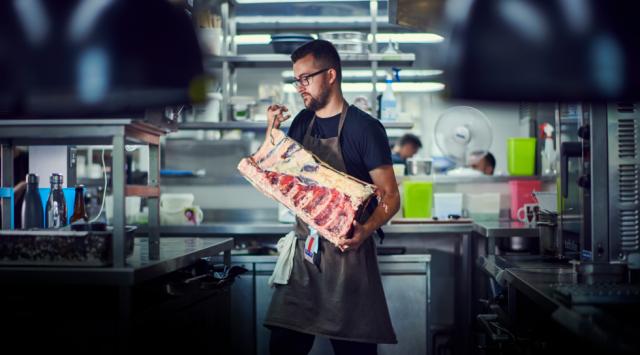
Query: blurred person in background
x=484, y=162
x=405, y=148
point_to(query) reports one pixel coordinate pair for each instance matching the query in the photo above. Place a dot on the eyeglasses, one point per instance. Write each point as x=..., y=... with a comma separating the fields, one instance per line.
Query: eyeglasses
x=304, y=79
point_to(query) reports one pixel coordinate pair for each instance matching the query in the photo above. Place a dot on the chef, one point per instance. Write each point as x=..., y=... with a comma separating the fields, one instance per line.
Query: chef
x=406, y=147
x=484, y=162
x=338, y=293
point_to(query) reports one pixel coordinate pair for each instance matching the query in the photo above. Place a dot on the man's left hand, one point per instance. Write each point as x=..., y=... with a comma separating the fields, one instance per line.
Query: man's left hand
x=360, y=234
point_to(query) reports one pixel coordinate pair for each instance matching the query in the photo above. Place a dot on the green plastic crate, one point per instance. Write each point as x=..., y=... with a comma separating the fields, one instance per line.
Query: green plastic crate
x=417, y=199
x=521, y=156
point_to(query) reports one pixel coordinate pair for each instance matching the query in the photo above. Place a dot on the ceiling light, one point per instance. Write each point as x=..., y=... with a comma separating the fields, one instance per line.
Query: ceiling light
x=309, y=19
x=289, y=1
x=424, y=87
x=380, y=38
x=423, y=37
x=366, y=73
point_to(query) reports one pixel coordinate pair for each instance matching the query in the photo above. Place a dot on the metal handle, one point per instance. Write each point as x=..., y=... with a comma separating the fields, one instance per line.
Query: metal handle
x=567, y=150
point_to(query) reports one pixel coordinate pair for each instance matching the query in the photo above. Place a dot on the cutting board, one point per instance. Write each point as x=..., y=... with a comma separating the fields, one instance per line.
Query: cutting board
x=430, y=221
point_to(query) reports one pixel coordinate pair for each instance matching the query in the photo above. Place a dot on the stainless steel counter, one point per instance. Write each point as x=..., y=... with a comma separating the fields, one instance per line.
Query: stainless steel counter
x=490, y=229
x=274, y=228
x=535, y=277
x=175, y=253
x=505, y=229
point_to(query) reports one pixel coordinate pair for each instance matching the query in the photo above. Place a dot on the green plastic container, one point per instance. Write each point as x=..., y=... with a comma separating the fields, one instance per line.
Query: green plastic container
x=417, y=199
x=521, y=156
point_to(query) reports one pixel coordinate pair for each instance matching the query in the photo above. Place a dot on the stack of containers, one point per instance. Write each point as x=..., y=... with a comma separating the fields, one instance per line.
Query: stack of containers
x=522, y=193
x=483, y=206
x=347, y=42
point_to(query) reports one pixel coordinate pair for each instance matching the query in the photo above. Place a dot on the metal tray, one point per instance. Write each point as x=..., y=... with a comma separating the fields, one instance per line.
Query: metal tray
x=60, y=247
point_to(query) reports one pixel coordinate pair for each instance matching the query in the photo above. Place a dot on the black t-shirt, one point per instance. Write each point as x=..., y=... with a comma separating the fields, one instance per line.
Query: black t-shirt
x=364, y=141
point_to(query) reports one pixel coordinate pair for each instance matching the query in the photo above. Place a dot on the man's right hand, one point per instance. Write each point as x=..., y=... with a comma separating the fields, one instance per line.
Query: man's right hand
x=277, y=113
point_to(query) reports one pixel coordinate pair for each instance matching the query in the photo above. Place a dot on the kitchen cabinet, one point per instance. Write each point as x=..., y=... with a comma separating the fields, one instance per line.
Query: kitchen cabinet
x=407, y=286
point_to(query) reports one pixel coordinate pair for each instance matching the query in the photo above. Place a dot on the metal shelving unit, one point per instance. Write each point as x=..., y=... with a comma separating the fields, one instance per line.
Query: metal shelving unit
x=251, y=125
x=116, y=132
x=230, y=61
x=284, y=61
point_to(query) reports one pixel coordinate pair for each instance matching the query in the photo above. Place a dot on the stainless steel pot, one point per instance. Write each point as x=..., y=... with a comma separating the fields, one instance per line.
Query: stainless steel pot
x=418, y=166
x=344, y=36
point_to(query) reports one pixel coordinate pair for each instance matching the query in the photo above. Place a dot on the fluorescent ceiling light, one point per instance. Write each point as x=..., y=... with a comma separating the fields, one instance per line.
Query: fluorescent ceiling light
x=309, y=19
x=424, y=87
x=252, y=39
x=380, y=37
x=290, y=1
x=366, y=73
x=423, y=37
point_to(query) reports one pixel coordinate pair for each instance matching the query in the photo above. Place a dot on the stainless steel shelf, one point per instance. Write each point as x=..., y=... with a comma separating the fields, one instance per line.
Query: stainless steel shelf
x=78, y=131
x=174, y=254
x=249, y=125
x=284, y=61
x=446, y=179
x=505, y=229
x=108, y=131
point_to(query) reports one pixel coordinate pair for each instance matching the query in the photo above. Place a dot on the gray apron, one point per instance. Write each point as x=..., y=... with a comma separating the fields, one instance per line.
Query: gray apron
x=342, y=298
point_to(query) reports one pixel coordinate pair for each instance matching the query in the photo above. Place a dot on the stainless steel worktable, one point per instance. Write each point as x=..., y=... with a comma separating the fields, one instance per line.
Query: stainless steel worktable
x=505, y=229
x=535, y=277
x=274, y=228
x=175, y=253
x=489, y=229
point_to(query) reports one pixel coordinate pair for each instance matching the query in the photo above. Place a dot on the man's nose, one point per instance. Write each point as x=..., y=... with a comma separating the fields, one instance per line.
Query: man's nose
x=301, y=89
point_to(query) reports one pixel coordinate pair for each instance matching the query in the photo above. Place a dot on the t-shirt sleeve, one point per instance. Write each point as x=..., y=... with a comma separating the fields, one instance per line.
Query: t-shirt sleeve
x=297, y=128
x=375, y=146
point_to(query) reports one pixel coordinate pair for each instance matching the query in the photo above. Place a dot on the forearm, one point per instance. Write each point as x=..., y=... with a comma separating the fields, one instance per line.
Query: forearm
x=388, y=206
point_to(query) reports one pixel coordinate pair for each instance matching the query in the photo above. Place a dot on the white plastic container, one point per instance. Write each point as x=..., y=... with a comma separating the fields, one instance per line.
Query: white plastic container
x=483, y=206
x=447, y=203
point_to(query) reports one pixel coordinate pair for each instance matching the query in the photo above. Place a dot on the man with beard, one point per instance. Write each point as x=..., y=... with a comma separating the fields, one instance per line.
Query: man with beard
x=338, y=292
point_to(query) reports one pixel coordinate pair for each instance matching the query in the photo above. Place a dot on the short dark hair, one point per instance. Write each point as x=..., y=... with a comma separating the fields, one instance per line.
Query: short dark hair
x=487, y=156
x=323, y=53
x=410, y=139
x=491, y=160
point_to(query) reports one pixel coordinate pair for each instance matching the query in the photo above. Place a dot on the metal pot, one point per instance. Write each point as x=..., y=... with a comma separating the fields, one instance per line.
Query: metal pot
x=418, y=166
x=352, y=36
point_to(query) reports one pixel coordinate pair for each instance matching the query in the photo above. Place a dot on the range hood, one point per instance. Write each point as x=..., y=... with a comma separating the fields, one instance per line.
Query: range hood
x=96, y=57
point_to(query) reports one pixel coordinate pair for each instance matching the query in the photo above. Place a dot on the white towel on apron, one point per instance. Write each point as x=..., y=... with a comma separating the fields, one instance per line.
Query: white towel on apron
x=284, y=264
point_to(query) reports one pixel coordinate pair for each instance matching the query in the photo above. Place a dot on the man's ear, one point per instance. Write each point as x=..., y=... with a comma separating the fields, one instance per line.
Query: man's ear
x=333, y=75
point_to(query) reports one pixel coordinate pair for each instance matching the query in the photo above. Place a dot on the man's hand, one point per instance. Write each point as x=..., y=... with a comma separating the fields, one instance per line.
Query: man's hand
x=360, y=234
x=278, y=114
x=384, y=178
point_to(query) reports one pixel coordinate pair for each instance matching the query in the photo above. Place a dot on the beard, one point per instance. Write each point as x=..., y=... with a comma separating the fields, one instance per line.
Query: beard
x=318, y=103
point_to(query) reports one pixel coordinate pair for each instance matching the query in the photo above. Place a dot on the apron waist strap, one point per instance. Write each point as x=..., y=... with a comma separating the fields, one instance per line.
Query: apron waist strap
x=380, y=234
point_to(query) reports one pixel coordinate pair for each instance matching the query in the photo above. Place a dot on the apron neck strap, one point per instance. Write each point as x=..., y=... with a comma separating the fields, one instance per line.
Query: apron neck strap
x=343, y=115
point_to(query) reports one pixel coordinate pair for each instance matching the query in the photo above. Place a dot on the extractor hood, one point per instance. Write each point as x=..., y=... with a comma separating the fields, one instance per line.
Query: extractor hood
x=96, y=57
